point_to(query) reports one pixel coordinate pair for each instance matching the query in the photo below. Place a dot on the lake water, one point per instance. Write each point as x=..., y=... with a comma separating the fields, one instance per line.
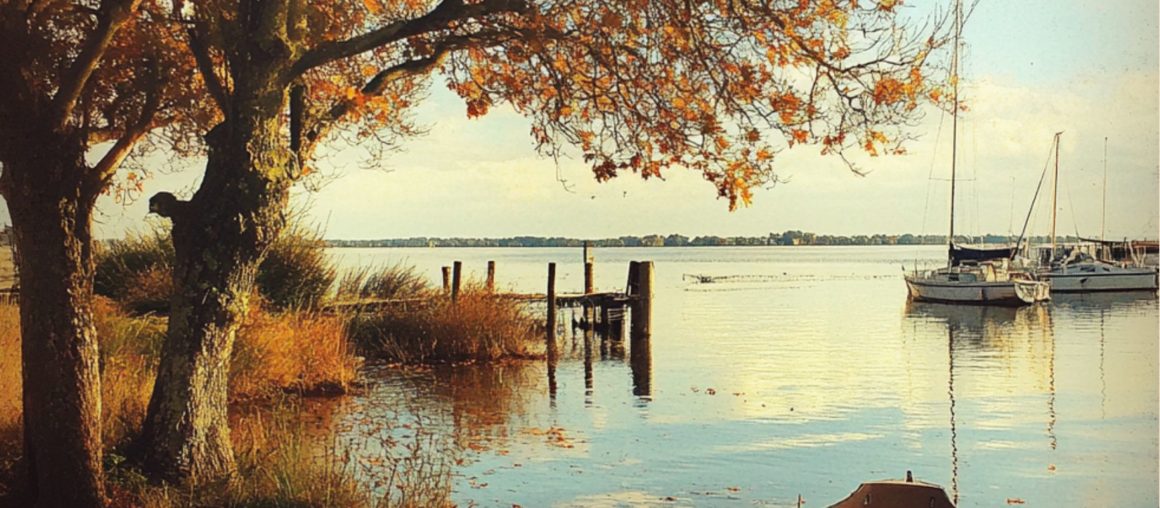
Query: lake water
x=805, y=373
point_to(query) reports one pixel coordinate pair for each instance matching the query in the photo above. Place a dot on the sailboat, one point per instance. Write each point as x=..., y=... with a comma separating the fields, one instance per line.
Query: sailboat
x=972, y=276
x=1072, y=271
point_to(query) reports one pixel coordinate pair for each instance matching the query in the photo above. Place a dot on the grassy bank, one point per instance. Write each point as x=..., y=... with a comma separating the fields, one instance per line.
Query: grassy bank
x=287, y=347
x=276, y=357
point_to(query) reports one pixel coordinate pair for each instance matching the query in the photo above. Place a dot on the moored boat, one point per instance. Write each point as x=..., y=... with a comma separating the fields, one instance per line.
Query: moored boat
x=906, y=493
x=982, y=283
x=972, y=275
x=1071, y=268
x=1092, y=276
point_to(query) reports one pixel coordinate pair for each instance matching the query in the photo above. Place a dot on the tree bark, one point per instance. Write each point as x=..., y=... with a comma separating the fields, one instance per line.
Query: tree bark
x=219, y=237
x=51, y=212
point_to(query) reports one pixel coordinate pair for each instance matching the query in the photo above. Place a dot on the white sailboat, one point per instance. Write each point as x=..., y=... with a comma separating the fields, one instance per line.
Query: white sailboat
x=1072, y=271
x=972, y=276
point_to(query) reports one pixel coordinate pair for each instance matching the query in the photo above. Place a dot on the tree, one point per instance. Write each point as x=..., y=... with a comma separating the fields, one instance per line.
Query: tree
x=77, y=77
x=638, y=86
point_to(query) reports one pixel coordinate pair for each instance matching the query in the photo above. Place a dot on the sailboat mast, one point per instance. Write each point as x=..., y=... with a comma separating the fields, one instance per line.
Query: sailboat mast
x=954, y=128
x=1104, y=210
x=1054, y=194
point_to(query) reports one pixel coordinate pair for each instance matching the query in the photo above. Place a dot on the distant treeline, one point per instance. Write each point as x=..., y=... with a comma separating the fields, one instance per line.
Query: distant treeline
x=674, y=240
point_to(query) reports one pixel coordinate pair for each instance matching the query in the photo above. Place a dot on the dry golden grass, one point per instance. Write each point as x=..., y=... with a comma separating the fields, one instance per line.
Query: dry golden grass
x=7, y=268
x=10, y=404
x=281, y=462
x=478, y=327
x=298, y=351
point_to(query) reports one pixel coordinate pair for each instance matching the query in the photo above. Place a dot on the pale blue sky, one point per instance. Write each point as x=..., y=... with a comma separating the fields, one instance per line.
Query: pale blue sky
x=1032, y=68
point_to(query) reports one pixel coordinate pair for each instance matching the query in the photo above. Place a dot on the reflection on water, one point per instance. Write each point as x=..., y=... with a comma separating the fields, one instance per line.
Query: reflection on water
x=807, y=381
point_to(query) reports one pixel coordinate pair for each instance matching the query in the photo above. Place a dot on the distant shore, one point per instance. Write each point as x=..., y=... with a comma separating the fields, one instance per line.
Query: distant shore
x=791, y=238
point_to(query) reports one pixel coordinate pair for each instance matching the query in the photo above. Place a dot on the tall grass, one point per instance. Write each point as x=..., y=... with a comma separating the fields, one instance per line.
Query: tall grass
x=395, y=281
x=10, y=398
x=137, y=270
x=296, y=272
x=478, y=327
x=130, y=349
x=299, y=351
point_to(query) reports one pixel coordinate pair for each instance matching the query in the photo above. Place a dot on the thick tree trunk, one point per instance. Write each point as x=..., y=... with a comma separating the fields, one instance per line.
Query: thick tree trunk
x=52, y=221
x=220, y=237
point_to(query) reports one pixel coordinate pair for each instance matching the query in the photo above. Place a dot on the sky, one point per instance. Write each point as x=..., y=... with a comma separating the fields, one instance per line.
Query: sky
x=1031, y=68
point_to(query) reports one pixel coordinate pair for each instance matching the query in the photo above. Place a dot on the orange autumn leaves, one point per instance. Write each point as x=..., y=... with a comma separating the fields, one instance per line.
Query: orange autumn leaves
x=711, y=86
x=636, y=86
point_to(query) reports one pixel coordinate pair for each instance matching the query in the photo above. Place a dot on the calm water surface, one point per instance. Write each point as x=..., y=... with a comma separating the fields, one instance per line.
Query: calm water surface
x=806, y=373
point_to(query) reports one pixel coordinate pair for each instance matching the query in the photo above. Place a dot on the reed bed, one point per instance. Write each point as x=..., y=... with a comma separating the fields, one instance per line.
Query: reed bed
x=300, y=351
x=479, y=326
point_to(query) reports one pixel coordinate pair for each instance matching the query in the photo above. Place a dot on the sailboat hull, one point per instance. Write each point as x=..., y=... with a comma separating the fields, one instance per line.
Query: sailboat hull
x=1012, y=293
x=1096, y=278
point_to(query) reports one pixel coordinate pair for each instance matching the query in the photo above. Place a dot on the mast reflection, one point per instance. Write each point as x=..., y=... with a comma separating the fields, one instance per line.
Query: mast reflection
x=977, y=334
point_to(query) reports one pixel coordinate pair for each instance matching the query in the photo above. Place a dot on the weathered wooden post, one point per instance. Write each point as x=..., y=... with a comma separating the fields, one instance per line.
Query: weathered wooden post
x=551, y=329
x=642, y=303
x=446, y=279
x=640, y=362
x=630, y=287
x=455, y=279
x=640, y=352
x=491, y=276
x=589, y=263
x=551, y=310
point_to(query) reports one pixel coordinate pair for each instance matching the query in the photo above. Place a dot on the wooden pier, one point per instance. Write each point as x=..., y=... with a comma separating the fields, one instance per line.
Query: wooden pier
x=607, y=314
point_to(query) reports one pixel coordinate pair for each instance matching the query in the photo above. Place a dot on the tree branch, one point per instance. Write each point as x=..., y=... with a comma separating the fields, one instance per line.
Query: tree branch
x=445, y=13
x=377, y=84
x=108, y=165
x=205, y=67
x=113, y=15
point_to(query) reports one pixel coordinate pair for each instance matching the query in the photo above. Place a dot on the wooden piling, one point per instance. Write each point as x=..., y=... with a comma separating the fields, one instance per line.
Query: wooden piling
x=455, y=279
x=491, y=276
x=446, y=279
x=551, y=335
x=589, y=264
x=642, y=304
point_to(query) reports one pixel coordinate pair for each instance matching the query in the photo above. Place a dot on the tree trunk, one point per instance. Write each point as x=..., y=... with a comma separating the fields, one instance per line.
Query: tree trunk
x=51, y=221
x=219, y=237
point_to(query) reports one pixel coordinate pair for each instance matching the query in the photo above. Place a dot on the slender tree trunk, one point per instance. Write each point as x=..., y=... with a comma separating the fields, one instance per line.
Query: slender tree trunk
x=51, y=221
x=219, y=237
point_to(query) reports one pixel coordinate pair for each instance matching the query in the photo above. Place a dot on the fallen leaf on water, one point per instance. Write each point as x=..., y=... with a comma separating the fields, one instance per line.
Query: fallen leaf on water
x=1051, y=467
